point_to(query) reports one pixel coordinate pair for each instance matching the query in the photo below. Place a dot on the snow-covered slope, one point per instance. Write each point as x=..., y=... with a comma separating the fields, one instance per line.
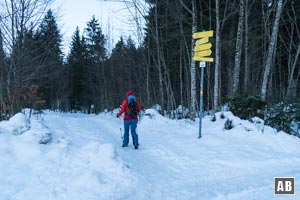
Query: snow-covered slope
x=83, y=159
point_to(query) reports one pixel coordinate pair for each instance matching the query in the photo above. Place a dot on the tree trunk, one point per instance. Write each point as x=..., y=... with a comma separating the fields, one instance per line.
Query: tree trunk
x=159, y=64
x=218, y=59
x=271, y=51
x=193, y=104
x=292, y=72
x=247, y=54
x=238, y=49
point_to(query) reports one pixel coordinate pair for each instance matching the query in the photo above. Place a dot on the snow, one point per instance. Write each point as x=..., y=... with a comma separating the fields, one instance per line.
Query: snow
x=66, y=156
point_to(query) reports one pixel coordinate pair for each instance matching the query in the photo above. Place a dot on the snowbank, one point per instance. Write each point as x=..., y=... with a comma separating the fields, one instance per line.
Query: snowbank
x=40, y=131
x=16, y=125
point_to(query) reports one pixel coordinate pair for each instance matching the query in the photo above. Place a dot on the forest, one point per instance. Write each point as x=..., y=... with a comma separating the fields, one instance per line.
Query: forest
x=256, y=47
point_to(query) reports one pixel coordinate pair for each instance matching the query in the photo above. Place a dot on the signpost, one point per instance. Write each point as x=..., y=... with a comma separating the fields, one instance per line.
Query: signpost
x=201, y=50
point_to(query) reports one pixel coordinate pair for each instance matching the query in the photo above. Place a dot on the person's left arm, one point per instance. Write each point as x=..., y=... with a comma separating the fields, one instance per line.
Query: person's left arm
x=138, y=107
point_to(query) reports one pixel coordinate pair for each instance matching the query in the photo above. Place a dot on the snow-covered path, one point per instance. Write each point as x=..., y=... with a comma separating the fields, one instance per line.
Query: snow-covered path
x=85, y=160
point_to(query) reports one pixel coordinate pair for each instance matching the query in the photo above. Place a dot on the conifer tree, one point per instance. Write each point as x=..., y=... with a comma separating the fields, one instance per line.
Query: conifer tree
x=77, y=65
x=95, y=41
x=97, y=82
x=49, y=45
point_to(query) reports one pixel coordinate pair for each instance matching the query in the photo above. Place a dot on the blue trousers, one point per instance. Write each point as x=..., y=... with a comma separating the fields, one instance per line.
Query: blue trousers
x=132, y=124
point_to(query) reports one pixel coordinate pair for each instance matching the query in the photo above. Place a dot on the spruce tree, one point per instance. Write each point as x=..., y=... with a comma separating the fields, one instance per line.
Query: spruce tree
x=77, y=65
x=49, y=45
x=96, y=41
x=97, y=82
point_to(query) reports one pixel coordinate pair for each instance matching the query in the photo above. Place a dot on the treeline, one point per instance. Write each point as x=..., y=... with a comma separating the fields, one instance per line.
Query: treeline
x=255, y=48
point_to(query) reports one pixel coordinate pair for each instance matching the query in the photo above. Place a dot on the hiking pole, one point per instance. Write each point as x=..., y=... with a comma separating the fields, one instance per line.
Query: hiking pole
x=121, y=133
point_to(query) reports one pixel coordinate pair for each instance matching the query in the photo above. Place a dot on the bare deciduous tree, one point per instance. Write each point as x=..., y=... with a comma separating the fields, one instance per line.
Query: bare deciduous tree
x=17, y=17
x=271, y=50
x=217, y=57
x=238, y=49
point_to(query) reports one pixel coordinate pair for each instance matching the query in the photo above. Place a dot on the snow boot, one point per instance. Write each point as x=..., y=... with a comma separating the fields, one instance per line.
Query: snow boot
x=136, y=146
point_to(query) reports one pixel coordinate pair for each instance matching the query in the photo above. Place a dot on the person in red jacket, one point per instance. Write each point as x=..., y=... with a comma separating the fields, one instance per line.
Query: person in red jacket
x=132, y=108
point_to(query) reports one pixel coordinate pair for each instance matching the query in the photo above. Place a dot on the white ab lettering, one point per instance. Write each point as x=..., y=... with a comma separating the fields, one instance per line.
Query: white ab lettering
x=284, y=187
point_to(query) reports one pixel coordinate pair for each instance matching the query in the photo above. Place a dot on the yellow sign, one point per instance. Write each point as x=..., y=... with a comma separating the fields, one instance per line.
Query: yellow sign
x=205, y=59
x=202, y=41
x=203, y=34
x=203, y=53
x=203, y=47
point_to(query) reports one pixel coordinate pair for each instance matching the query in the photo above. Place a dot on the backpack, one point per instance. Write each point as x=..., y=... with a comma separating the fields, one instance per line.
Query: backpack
x=131, y=102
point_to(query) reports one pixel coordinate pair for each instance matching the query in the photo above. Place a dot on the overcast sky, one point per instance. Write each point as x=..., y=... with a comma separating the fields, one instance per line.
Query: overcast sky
x=114, y=18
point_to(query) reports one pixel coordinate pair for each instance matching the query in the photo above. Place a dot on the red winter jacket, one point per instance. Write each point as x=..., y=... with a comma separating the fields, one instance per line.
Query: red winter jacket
x=125, y=108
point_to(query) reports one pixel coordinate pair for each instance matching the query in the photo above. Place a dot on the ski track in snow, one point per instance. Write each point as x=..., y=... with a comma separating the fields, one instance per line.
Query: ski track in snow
x=85, y=160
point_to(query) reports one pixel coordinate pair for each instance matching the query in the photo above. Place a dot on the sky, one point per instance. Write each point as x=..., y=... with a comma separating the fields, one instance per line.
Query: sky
x=114, y=18
x=67, y=156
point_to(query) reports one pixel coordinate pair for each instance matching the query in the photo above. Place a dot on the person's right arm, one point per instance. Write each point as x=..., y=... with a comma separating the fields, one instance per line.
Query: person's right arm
x=123, y=107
